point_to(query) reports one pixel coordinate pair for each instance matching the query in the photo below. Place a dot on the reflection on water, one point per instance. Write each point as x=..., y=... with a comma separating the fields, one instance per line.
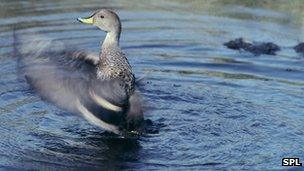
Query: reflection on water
x=213, y=108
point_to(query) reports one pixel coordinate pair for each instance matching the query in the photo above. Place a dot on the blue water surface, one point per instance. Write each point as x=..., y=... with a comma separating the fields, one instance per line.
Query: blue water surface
x=214, y=108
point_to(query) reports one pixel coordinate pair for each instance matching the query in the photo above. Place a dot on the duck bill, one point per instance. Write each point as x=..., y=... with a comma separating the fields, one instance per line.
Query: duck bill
x=88, y=20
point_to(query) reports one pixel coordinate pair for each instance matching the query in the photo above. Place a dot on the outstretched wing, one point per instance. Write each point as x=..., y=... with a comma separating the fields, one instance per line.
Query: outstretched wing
x=68, y=79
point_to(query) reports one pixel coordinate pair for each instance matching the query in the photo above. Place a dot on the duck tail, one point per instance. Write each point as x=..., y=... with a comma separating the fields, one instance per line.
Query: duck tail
x=135, y=112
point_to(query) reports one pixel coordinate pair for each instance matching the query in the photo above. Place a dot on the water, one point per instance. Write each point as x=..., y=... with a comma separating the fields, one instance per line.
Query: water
x=214, y=108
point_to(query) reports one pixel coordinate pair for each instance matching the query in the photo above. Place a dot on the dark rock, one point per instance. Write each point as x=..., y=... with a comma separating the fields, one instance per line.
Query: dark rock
x=257, y=48
x=236, y=44
x=289, y=70
x=149, y=122
x=263, y=48
x=299, y=48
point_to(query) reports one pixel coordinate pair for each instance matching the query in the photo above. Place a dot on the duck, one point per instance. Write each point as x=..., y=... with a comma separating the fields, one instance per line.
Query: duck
x=100, y=87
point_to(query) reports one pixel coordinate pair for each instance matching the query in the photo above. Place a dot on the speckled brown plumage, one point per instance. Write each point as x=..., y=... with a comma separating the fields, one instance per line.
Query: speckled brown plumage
x=115, y=65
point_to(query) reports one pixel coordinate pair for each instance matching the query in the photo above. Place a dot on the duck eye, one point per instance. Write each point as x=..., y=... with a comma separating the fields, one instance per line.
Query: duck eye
x=101, y=16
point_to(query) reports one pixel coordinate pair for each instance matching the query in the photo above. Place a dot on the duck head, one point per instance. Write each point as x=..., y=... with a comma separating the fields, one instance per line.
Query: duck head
x=104, y=19
x=109, y=22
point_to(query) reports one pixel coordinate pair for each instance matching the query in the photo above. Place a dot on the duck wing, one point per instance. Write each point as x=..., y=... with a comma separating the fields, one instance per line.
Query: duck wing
x=68, y=79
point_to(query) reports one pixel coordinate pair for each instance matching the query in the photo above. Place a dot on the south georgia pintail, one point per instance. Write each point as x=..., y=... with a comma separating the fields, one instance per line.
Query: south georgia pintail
x=99, y=87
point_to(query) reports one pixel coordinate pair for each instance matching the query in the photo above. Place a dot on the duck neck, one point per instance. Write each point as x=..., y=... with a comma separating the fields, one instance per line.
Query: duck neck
x=111, y=41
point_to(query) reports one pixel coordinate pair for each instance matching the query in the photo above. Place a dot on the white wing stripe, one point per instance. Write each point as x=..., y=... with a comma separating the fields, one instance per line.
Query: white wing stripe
x=94, y=120
x=104, y=103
